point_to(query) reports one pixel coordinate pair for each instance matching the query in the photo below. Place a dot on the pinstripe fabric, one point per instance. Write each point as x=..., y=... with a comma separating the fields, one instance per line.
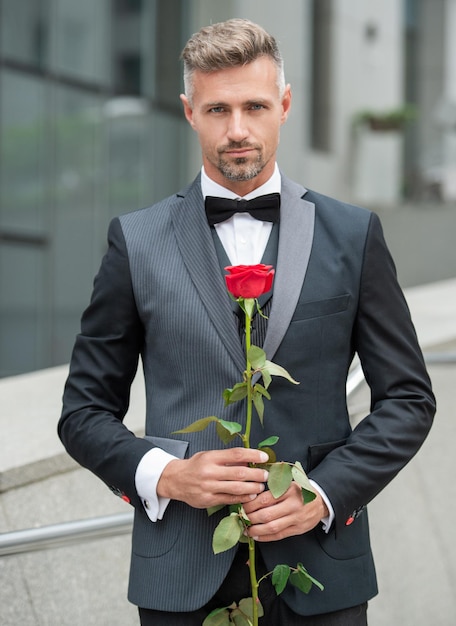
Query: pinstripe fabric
x=171, y=252
x=259, y=322
x=198, y=328
x=190, y=355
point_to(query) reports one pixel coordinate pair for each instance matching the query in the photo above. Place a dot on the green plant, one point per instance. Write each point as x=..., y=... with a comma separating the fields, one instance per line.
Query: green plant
x=392, y=119
x=245, y=284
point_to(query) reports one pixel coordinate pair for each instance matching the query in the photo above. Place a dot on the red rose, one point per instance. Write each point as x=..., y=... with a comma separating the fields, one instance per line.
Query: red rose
x=249, y=281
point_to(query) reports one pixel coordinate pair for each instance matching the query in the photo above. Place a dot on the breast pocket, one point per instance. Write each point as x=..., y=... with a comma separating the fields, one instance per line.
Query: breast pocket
x=321, y=308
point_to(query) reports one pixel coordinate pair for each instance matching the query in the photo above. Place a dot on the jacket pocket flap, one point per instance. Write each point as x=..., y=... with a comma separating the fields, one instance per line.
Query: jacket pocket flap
x=318, y=452
x=320, y=308
x=176, y=447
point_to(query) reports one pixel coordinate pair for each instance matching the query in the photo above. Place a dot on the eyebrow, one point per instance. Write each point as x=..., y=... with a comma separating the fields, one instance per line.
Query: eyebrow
x=246, y=102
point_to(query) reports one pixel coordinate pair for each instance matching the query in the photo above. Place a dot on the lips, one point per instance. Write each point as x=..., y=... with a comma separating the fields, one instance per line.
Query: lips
x=240, y=155
x=239, y=152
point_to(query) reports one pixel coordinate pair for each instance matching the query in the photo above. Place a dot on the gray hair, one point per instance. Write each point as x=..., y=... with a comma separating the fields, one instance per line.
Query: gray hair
x=233, y=43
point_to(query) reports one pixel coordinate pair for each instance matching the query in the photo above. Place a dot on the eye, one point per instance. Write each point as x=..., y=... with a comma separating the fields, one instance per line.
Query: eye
x=217, y=109
x=257, y=106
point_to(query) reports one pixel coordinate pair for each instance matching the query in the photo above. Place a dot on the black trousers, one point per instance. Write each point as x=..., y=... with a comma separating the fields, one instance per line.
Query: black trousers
x=276, y=612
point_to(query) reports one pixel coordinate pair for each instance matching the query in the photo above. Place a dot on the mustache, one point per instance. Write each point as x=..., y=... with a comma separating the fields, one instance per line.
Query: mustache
x=238, y=145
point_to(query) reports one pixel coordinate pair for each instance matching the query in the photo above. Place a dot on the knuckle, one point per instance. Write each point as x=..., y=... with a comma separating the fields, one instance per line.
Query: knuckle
x=205, y=474
x=235, y=489
x=239, y=473
x=237, y=453
x=273, y=528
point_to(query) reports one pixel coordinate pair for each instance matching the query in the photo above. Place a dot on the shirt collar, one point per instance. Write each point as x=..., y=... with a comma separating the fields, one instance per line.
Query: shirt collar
x=211, y=188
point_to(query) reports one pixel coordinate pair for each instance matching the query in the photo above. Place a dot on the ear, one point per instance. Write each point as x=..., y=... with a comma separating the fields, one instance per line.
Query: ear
x=188, y=111
x=286, y=104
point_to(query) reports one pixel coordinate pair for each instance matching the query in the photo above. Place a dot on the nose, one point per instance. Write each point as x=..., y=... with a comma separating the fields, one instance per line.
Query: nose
x=237, y=128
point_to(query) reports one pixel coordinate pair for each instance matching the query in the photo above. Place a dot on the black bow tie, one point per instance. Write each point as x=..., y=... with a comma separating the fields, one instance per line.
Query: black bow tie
x=264, y=208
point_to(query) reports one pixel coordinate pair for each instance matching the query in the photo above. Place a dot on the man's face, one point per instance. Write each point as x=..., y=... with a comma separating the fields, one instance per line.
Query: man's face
x=237, y=113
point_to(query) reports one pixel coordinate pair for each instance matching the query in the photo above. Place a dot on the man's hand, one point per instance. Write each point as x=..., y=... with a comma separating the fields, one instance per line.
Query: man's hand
x=214, y=477
x=273, y=519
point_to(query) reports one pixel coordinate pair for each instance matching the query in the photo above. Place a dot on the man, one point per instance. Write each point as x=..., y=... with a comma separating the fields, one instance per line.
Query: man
x=160, y=293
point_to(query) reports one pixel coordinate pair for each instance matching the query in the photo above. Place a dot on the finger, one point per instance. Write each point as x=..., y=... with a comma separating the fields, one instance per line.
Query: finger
x=241, y=473
x=245, y=489
x=238, y=456
x=236, y=499
x=274, y=530
x=288, y=532
x=222, y=493
x=216, y=465
x=264, y=499
x=227, y=498
x=268, y=514
x=281, y=521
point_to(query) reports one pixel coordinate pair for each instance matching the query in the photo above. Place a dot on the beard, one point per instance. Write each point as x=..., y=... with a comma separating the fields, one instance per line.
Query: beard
x=241, y=169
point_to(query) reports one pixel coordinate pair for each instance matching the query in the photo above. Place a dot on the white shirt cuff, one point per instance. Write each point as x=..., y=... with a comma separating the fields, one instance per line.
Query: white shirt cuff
x=147, y=476
x=326, y=521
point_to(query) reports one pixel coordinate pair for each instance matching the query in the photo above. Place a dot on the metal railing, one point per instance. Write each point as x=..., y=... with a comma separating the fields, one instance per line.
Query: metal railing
x=55, y=535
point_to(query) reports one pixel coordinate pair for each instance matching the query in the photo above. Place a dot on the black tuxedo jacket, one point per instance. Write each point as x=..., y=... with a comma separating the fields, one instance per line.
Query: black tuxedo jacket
x=160, y=294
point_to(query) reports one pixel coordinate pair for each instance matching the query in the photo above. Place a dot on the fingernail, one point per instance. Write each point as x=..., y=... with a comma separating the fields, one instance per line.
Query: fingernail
x=264, y=457
x=266, y=476
x=252, y=496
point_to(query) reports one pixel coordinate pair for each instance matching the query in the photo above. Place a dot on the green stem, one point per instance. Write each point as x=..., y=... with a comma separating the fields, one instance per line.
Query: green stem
x=248, y=371
x=253, y=581
x=248, y=426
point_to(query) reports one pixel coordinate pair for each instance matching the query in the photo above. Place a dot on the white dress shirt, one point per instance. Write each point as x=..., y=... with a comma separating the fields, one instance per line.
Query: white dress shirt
x=244, y=239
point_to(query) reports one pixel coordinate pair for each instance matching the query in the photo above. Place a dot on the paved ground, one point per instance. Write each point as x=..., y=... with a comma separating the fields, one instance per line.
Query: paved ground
x=411, y=520
x=411, y=524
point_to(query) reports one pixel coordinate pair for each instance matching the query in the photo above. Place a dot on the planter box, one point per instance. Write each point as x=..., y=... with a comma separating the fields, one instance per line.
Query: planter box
x=377, y=167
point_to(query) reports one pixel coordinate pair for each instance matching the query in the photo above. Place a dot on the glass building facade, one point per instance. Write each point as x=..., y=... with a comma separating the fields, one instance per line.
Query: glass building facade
x=90, y=127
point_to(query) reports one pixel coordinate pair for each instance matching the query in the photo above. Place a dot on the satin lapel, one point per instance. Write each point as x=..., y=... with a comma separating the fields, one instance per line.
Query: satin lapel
x=270, y=258
x=195, y=243
x=297, y=219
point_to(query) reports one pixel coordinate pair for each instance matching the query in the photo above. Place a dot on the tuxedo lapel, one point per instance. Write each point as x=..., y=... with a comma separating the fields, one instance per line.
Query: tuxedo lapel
x=297, y=218
x=196, y=245
x=270, y=258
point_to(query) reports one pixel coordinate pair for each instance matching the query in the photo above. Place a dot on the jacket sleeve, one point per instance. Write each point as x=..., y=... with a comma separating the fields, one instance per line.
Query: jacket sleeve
x=102, y=368
x=402, y=402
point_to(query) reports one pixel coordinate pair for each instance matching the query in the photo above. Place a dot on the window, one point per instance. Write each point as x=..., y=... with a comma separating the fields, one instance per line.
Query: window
x=24, y=31
x=88, y=90
x=320, y=97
